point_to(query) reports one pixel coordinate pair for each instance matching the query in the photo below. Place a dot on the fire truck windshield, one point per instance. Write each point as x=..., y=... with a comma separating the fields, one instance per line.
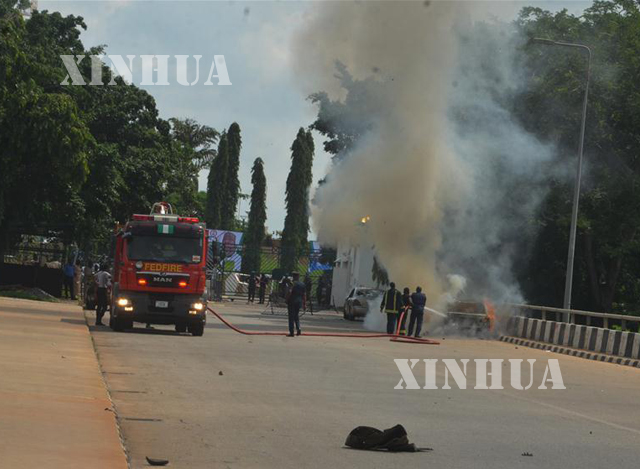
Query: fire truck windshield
x=164, y=249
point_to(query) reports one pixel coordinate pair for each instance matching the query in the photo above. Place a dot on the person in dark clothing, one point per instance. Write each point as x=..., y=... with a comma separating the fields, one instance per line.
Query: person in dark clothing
x=69, y=272
x=391, y=304
x=419, y=301
x=406, y=309
x=103, y=282
x=295, y=300
x=77, y=279
x=320, y=290
x=308, y=285
x=263, y=288
x=284, y=287
x=252, y=287
x=327, y=295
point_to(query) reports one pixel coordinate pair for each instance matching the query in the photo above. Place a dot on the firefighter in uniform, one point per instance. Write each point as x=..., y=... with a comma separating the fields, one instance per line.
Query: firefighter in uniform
x=407, y=304
x=391, y=305
x=418, y=300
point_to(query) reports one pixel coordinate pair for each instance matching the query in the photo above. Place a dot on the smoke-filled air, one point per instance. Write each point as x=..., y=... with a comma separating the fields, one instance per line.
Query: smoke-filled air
x=418, y=93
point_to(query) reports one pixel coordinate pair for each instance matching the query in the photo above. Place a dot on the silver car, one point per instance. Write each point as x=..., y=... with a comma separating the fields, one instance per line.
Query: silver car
x=357, y=303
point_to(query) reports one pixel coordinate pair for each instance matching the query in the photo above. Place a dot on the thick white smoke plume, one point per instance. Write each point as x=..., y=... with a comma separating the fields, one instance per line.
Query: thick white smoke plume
x=440, y=167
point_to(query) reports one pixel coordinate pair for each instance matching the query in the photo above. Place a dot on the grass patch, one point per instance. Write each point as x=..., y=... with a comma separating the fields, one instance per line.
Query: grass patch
x=34, y=294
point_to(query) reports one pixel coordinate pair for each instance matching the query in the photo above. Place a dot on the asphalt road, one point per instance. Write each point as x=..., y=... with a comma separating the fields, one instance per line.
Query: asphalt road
x=228, y=400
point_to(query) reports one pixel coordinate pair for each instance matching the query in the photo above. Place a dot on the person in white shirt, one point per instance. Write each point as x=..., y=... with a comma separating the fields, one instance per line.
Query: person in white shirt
x=103, y=282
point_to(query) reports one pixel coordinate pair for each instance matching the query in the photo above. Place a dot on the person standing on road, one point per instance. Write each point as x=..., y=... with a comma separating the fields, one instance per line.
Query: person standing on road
x=320, y=290
x=406, y=309
x=87, y=281
x=69, y=272
x=391, y=304
x=327, y=296
x=103, y=282
x=252, y=287
x=263, y=289
x=77, y=279
x=419, y=301
x=308, y=285
x=295, y=301
x=285, y=287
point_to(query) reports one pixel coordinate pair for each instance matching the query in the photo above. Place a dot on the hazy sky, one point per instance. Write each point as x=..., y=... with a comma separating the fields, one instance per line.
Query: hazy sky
x=255, y=37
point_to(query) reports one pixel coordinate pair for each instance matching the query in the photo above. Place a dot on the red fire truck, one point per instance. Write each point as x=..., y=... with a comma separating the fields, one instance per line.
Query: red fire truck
x=159, y=272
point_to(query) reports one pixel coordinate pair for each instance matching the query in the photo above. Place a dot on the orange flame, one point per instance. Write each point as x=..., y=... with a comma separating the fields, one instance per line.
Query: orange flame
x=491, y=314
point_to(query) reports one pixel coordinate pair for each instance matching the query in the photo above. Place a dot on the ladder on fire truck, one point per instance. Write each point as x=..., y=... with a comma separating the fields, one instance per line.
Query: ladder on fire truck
x=162, y=208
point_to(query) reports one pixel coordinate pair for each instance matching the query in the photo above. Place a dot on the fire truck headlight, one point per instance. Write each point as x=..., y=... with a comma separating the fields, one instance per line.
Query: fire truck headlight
x=198, y=306
x=123, y=302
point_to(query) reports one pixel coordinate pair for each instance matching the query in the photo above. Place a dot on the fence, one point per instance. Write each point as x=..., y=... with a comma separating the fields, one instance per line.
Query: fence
x=590, y=339
x=34, y=265
x=230, y=268
x=588, y=318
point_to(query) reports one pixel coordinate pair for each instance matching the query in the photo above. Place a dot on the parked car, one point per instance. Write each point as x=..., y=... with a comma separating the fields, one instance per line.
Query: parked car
x=236, y=284
x=357, y=302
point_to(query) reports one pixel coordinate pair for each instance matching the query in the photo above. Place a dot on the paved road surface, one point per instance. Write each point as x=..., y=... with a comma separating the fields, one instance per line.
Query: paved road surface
x=290, y=402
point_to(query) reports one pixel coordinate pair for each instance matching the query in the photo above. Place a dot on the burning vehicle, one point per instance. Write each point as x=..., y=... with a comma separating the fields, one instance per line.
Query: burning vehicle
x=471, y=317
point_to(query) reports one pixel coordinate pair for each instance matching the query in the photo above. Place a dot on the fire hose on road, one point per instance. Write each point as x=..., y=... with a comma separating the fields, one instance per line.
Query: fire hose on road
x=392, y=337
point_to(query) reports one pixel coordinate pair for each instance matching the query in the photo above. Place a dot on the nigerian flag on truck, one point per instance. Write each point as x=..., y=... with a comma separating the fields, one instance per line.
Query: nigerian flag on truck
x=166, y=229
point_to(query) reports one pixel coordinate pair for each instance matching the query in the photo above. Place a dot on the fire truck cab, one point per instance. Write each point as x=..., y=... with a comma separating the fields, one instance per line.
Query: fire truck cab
x=160, y=272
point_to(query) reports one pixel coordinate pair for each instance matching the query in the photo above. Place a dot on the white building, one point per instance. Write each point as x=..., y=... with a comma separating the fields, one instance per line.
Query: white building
x=352, y=269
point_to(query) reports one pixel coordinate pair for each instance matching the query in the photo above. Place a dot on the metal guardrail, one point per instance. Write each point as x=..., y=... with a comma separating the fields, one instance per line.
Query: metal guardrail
x=229, y=275
x=573, y=314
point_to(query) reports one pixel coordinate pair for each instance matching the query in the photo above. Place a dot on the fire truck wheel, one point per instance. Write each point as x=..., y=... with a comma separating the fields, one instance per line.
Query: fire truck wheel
x=119, y=325
x=181, y=328
x=197, y=329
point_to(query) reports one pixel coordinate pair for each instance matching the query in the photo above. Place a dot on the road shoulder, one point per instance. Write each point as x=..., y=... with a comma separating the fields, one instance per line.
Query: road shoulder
x=54, y=407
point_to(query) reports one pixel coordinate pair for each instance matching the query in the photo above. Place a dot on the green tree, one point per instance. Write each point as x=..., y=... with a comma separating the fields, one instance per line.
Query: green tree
x=198, y=139
x=132, y=157
x=296, y=222
x=609, y=215
x=344, y=122
x=232, y=188
x=255, y=232
x=44, y=142
x=92, y=155
x=379, y=274
x=217, y=184
x=191, y=150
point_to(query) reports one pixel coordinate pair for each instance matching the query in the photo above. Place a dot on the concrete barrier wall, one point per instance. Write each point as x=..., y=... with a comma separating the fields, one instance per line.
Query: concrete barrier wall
x=48, y=279
x=595, y=339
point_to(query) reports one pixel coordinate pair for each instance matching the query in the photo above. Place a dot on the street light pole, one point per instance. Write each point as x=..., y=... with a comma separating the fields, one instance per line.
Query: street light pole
x=576, y=191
